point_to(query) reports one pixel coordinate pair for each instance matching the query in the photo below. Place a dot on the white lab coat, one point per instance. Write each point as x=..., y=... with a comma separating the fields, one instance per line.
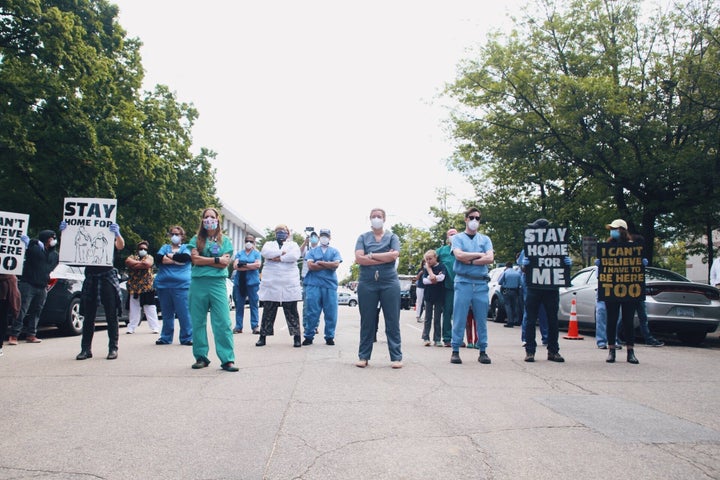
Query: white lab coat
x=715, y=273
x=280, y=280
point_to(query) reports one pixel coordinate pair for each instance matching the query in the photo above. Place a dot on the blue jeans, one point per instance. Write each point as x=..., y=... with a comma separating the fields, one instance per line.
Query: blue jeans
x=174, y=301
x=542, y=320
x=466, y=295
x=387, y=293
x=511, y=299
x=549, y=300
x=601, y=324
x=320, y=299
x=253, y=301
x=32, y=302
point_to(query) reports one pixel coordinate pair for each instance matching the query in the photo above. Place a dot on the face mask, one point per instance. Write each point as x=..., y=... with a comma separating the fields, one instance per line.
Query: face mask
x=473, y=225
x=615, y=234
x=248, y=245
x=281, y=235
x=175, y=239
x=142, y=253
x=210, y=223
x=314, y=240
x=377, y=222
x=52, y=243
x=450, y=239
x=324, y=241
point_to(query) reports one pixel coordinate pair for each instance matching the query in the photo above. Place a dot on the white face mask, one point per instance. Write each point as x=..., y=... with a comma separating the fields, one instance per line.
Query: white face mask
x=52, y=243
x=377, y=222
x=450, y=239
x=175, y=239
x=324, y=241
x=142, y=253
x=249, y=245
x=473, y=225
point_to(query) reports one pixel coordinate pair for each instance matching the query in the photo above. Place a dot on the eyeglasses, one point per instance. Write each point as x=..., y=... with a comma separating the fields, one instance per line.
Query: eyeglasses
x=474, y=217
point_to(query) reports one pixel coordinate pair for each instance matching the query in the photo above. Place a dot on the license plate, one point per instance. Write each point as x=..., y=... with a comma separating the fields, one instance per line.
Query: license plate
x=684, y=311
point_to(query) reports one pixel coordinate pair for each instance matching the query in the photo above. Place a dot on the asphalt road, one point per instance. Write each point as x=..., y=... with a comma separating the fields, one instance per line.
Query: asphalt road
x=309, y=413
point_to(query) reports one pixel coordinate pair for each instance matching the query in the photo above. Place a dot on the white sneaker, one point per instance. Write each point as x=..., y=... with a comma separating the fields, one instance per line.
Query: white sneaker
x=1, y=352
x=426, y=343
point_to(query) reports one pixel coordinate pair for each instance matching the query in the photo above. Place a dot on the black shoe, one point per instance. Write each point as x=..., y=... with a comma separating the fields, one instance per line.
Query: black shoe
x=307, y=341
x=611, y=356
x=483, y=358
x=229, y=367
x=261, y=341
x=555, y=357
x=329, y=341
x=84, y=355
x=455, y=357
x=161, y=342
x=508, y=325
x=654, y=342
x=296, y=341
x=256, y=331
x=188, y=343
x=631, y=357
x=618, y=347
x=529, y=357
x=112, y=355
x=201, y=363
x=237, y=330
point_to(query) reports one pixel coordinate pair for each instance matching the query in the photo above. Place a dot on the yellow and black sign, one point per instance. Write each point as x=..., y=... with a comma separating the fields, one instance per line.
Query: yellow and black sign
x=621, y=275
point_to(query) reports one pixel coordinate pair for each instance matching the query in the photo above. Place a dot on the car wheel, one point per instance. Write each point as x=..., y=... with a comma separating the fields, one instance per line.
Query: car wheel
x=352, y=303
x=494, y=310
x=73, y=323
x=692, y=337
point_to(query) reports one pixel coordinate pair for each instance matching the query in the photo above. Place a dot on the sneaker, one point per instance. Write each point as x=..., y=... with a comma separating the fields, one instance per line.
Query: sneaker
x=470, y=345
x=12, y=340
x=483, y=358
x=529, y=357
x=329, y=341
x=447, y=344
x=426, y=343
x=602, y=346
x=555, y=357
x=307, y=341
x=524, y=344
x=32, y=339
x=396, y=364
x=439, y=344
x=419, y=320
x=237, y=330
x=455, y=357
x=654, y=342
x=1, y=352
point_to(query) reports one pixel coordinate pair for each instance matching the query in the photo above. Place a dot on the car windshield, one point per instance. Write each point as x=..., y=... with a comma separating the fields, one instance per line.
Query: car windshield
x=663, y=275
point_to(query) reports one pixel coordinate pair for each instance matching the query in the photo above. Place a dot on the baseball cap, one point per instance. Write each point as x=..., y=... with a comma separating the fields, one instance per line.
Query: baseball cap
x=452, y=231
x=618, y=223
x=325, y=231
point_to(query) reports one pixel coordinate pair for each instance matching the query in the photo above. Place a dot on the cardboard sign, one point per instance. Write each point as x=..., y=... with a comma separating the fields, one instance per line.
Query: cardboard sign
x=12, y=249
x=621, y=275
x=87, y=240
x=546, y=248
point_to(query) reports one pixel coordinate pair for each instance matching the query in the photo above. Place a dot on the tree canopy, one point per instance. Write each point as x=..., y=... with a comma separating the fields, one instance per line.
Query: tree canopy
x=591, y=110
x=75, y=123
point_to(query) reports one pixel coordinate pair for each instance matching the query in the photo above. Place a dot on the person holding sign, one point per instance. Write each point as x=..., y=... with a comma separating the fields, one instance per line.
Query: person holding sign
x=40, y=259
x=100, y=280
x=473, y=253
x=211, y=253
x=621, y=279
x=545, y=258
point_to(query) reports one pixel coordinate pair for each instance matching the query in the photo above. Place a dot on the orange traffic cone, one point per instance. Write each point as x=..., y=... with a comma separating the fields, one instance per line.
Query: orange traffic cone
x=573, y=325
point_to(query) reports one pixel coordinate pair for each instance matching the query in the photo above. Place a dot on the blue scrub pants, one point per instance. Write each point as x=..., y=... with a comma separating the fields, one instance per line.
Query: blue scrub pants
x=387, y=293
x=320, y=299
x=210, y=293
x=174, y=301
x=469, y=294
x=251, y=294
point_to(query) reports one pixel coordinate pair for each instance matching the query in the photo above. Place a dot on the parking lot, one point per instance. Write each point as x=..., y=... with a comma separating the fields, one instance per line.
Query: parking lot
x=310, y=413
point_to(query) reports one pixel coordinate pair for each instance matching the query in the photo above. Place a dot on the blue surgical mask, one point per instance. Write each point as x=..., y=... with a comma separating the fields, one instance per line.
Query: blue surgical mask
x=210, y=223
x=314, y=239
x=281, y=235
x=615, y=234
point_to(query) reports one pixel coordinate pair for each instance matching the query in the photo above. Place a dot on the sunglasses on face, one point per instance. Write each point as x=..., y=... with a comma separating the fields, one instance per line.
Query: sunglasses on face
x=472, y=217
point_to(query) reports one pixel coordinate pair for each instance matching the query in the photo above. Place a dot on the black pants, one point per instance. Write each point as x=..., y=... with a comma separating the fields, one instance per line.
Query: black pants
x=628, y=321
x=4, y=312
x=267, y=326
x=105, y=286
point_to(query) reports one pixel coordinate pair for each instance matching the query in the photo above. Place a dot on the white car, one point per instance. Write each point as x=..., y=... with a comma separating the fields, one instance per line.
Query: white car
x=346, y=298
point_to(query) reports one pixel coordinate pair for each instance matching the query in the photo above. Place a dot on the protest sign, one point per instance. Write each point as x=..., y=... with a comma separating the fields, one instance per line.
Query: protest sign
x=546, y=248
x=87, y=239
x=621, y=274
x=12, y=249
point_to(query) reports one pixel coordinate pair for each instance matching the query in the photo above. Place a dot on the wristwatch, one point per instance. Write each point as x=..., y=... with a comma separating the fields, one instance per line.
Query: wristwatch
x=217, y=260
x=370, y=255
x=471, y=261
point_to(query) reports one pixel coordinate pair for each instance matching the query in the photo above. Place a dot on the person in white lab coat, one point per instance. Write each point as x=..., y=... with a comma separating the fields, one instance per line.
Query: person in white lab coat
x=280, y=285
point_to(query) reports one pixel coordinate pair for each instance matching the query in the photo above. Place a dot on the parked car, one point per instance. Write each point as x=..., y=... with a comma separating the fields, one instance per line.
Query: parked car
x=496, y=302
x=345, y=298
x=674, y=304
x=62, y=307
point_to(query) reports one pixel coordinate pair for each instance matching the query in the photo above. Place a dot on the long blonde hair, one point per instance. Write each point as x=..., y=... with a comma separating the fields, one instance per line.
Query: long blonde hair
x=202, y=234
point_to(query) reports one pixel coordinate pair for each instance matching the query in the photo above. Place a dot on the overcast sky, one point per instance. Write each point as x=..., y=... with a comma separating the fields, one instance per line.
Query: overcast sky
x=318, y=110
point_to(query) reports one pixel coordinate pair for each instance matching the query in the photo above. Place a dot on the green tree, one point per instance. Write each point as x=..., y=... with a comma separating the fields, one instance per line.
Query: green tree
x=588, y=101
